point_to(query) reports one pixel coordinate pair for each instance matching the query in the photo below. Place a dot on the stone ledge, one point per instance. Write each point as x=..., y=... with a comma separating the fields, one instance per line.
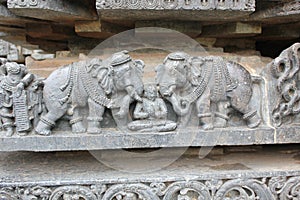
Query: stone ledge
x=113, y=139
x=268, y=174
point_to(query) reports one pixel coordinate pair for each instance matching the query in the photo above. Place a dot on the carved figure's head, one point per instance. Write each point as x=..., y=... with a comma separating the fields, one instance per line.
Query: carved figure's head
x=173, y=73
x=150, y=92
x=13, y=68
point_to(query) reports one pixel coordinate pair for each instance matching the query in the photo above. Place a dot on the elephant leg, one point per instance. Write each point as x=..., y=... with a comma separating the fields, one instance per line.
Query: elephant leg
x=76, y=121
x=203, y=105
x=249, y=114
x=124, y=107
x=221, y=115
x=47, y=122
x=96, y=112
x=186, y=120
x=121, y=115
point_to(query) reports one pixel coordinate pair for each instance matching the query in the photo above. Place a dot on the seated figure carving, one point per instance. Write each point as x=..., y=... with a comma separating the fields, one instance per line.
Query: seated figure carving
x=152, y=113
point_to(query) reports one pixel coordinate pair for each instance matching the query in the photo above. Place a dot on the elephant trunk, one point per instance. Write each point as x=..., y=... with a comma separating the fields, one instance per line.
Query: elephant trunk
x=180, y=107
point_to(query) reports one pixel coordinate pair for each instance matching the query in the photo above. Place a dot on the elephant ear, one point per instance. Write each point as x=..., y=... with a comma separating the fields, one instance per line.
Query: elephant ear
x=93, y=65
x=139, y=64
x=195, y=70
x=105, y=78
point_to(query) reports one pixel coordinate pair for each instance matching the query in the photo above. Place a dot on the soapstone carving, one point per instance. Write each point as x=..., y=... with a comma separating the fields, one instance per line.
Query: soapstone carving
x=285, y=70
x=80, y=95
x=92, y=85
x=210, y=84
x=14, y=82
x=152, y=113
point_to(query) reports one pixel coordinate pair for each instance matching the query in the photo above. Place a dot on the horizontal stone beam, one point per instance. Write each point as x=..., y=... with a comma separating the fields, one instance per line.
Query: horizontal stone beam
x=9, y=18
x=47, y=45
x=97, y=29
x=108, y=139
x=247, y=5
x=49, y=31
x=190, y=28
x=55, y=10
x=280, y=32
x=238, y=29
x=289, y=10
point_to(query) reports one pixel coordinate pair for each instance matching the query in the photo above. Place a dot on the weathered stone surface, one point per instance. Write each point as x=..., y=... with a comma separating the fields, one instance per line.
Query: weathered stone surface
x=48, y=45
x=55, y=10
x=45, y=67
x=287, y=10
x=97, y=29
x=248, y=5
x=9, y=18
x=280, y=32
x=268, y=175
x=192, y=29
x=41, y=55
x=113, y=139
x=49, y=31
x=239, y=29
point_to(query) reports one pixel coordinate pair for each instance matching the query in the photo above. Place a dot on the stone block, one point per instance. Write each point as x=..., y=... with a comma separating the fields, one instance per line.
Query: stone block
x=97, y=29
x=248, y=5
x=55, y=10
x=174, y=9
x=286, y=11
x=192, y=29
x=149, y=175
x=50, y=31
x=238, y=29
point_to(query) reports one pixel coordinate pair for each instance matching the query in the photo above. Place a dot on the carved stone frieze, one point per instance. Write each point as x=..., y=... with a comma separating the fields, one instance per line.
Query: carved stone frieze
x=247, y=5
x=284, y=86
x=23, y=3
x=192, y=96
x=269, y=188
x=55, y=10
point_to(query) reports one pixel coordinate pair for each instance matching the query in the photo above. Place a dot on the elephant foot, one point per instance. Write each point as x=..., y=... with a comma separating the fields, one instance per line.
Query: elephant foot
x=253, y=120
x=220, y=123
x=78, y=127
x=207, y=121
x=208, y=126
x=22, y=133
x=253, y=123
x=43, y=129
x=220, y=120
x=94, y=127
x=44, y=126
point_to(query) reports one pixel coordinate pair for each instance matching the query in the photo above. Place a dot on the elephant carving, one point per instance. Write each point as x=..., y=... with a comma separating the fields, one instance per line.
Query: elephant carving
x=210, y=84
x=92, y=85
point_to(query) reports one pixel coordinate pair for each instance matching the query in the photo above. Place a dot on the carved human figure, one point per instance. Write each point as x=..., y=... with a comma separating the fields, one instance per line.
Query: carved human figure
x=151, y=112
x=92, y=86
x=14, y=78
x=208, y=83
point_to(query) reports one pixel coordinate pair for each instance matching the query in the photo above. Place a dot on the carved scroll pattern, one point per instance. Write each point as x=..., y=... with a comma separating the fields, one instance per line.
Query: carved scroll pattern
x=22, y=3
x=285, y=69
x=176, y=4
x=274, y=188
